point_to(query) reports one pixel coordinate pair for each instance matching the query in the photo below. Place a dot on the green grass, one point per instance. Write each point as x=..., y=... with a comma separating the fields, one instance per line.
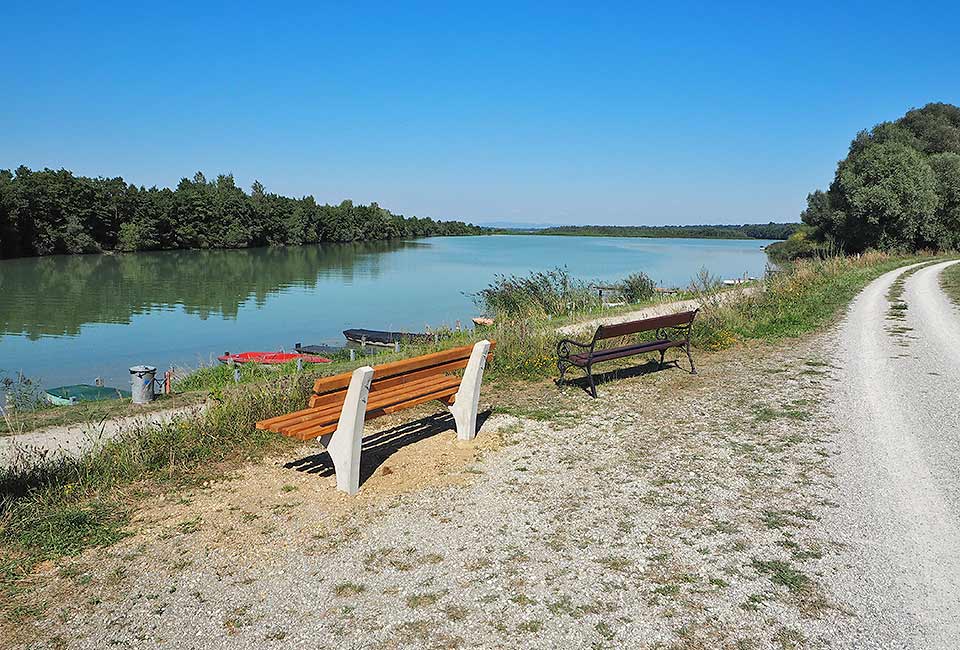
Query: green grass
x=807, y=295
x=950, y=281
x=782, y=573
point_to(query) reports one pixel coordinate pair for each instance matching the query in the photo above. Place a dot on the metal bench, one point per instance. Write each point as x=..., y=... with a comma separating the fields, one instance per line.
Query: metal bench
x=341, y=404
x=672, y=331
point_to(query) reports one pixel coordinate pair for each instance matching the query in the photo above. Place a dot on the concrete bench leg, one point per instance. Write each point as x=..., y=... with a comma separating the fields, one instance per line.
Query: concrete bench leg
x=467, y=400
x=344, y=444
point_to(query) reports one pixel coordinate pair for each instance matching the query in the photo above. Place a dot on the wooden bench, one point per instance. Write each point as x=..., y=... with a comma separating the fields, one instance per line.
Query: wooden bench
x=672, y=331
x=341, y=404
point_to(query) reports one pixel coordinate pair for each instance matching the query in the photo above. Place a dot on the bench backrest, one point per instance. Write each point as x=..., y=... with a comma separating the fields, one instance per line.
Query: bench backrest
x=681, y=319
x=329, y=391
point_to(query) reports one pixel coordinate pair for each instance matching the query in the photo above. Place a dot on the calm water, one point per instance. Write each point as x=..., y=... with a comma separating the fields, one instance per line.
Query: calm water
x=68, y=319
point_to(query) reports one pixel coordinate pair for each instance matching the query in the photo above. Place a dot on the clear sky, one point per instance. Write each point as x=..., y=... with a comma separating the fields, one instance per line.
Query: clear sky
x=554, y=113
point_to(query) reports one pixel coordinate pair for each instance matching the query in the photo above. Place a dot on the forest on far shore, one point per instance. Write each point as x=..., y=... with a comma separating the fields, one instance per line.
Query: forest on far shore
x=55, y=211
x=747, y=231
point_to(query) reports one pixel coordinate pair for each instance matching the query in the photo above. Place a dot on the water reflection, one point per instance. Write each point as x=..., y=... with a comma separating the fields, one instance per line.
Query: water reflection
x=56, y=296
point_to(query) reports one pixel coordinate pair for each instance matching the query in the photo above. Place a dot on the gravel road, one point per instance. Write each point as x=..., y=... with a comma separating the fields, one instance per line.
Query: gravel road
x=898, y=465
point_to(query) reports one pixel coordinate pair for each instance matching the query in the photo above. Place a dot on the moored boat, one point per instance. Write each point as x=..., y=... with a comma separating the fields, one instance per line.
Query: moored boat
x=270, y=358
x=68, y=395
x=384, y=338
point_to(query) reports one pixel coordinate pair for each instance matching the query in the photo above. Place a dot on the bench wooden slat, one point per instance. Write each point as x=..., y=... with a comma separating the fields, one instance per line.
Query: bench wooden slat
x=338, y=382
x=310, y=434
x=645, y=325
x=420, y=400
x=337, y=397
x=315, y=431
x=326, y=415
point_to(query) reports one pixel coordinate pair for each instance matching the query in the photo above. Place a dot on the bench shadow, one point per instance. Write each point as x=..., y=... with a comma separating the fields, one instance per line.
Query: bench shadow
x=610, y=376
x=377, y=448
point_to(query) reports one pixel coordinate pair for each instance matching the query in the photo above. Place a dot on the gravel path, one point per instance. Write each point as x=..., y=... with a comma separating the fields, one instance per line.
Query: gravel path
x=897, y=412
x=76, y=439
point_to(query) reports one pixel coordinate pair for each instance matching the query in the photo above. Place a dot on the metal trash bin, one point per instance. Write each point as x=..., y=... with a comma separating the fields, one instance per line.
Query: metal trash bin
x=141, y=383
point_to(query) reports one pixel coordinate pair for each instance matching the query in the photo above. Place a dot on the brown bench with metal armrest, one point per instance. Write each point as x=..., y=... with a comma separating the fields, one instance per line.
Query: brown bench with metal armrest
x=672, y=331
x=341, y=404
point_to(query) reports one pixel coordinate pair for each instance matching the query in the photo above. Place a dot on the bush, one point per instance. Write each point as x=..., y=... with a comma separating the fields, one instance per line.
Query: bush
x=540, y=294
x=799, y=245
x=637, y=287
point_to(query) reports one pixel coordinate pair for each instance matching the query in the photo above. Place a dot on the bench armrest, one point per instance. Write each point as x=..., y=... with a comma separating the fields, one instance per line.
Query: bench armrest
x=563, y=347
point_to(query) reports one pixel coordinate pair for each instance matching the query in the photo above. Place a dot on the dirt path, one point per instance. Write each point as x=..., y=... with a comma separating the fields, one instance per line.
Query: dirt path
x=897, y=413
x=76, y=439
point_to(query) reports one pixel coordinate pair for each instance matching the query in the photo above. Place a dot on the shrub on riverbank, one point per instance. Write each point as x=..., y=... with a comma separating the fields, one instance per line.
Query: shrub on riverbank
x=637, y=287
x=538, y=295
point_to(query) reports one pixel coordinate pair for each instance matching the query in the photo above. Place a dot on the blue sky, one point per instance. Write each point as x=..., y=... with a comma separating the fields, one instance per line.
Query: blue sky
x=549, y=112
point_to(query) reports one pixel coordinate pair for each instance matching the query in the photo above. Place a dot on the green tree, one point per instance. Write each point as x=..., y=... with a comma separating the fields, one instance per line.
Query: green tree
x=945, y=232
x=886, y=193
x=897, y=187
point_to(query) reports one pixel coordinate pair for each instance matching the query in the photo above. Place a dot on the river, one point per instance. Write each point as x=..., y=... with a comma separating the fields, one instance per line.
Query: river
x=69, y=319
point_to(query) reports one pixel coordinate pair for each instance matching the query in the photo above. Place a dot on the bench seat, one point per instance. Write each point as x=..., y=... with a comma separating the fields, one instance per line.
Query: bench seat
x=317, y=421
x=341, y=404
x=582, y=359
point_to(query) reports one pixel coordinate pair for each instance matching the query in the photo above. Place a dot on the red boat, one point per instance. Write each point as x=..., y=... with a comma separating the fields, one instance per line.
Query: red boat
x=270, y=357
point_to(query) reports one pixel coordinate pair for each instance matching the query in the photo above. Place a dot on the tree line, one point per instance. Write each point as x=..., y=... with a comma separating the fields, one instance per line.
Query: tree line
x=747, y=231
x=897, y=189
x=55, y=211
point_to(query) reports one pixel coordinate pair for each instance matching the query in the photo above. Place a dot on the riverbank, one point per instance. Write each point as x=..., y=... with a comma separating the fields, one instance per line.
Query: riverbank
x=52, y=515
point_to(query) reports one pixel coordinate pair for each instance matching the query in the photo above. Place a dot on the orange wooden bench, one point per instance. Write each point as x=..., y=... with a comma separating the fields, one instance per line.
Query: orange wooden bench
x=341, y=404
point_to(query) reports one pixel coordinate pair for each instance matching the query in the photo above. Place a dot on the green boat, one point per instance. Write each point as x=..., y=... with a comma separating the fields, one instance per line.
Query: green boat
x=67, y=395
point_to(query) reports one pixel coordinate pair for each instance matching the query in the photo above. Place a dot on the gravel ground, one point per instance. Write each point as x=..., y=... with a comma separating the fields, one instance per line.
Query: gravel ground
x=898, y=453
x=676, y=511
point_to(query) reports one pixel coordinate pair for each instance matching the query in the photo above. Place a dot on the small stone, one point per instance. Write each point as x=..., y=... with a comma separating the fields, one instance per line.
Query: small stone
x=385, y=470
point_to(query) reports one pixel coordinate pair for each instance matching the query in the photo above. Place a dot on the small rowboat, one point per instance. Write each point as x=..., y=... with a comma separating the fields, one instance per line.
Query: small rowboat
x=389, y=339
x=270, y=358
x=317, y=349
x=67, y=395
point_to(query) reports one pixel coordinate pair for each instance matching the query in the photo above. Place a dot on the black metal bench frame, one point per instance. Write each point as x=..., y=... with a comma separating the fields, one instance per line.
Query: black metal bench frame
x=671, y=331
